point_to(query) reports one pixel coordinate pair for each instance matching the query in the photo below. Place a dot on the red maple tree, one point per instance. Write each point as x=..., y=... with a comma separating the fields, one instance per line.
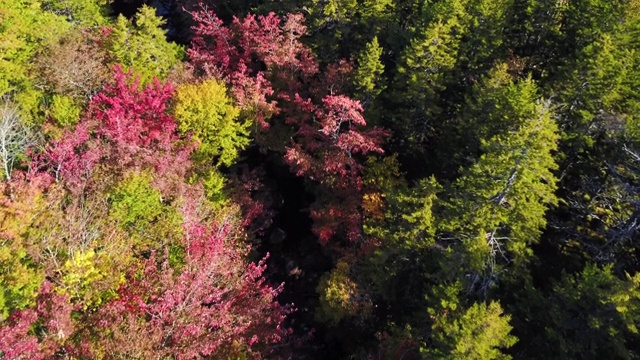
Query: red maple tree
x=263, y=59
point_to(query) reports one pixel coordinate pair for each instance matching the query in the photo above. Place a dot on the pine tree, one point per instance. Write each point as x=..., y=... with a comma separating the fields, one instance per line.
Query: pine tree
x=423, y=74
x=142, y=47
x=497, y=207
x=484, y=42
x=479, y=331
x=591, y=314
x=367, y=78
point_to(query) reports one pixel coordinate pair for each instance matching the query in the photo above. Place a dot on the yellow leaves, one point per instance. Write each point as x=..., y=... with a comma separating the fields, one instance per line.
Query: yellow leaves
x=213, y=182
x=80, y=272
x=339, y=295
x=16, y=211
x=207, y=113
x=90, y=277
x=373, y=205
x=383, y=174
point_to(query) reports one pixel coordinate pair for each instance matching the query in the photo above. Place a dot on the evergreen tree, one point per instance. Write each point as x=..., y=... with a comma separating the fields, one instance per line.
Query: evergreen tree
x=497, y=207
x=591, y=314
x=480, y=331
x=424, y=72
x=368, y=77
x=142, y=46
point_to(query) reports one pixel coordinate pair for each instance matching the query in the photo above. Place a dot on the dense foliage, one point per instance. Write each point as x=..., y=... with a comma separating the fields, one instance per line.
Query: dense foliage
x=348, y=179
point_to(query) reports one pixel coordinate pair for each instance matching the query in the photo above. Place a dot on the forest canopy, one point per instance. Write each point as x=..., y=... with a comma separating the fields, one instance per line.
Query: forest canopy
x=339, y=179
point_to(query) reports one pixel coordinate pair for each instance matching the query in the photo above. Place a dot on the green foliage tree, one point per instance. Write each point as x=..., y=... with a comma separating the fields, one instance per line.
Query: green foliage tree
x=590, y=314
x=81, y=12
x=424, y=71
x=497, y=207
x=20, y=279
x=598, y=119
x=604, y=305
x=207, y=113
x=484, y=41
x=142, y=46
x=588, y=20
x=64, y=110
x=367, y=78
x=401, y=219
x=480, y=331
x=141, y=210
x=25, y=27
x=20, y=274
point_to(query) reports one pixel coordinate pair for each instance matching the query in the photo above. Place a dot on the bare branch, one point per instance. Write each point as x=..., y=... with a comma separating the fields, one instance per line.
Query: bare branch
x=15, y=137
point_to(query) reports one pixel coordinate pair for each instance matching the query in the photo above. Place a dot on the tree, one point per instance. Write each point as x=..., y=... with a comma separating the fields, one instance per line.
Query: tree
x=213, y=305
x=206, y=112
x=591, y=313
x=423, y=73
x=140, y=209
x=497, y=207
x=125, y=124
x=598, y=122
x=484, y=42
x=142, y=47
x=479, y=332
x=339, y=296
x=324, y=136
x=15, y=340
x=367, y=78
x=21, y=276
x=15, y=137
x=130, y=249
x=74, y=66
x=79, y=12
x=26, y=27
x=325, y=155
x=403, y=259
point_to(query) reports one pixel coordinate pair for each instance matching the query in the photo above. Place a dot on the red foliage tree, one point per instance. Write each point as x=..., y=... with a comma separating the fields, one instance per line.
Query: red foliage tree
x=15, y=340
x=213, y=305
x=125, y=127
x=19, y=340
x=324, y=151
x=265, y=54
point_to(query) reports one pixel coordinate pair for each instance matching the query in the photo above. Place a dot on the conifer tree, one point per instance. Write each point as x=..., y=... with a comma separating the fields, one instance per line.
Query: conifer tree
x=497, y=207
x=425, y=71
x=591, y=314
x=480, y=331
x=367, y=79
x=142, y=46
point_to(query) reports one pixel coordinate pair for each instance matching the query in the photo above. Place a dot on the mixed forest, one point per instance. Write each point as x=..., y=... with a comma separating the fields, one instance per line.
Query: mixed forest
x=320, y=179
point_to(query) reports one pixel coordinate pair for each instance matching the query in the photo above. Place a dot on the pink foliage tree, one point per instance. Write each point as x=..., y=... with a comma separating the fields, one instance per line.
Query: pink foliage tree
x=208, y=302
x=16, y=341
x=21, y=339
x=262, y=58
x=125, y=127
x=215, y=304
